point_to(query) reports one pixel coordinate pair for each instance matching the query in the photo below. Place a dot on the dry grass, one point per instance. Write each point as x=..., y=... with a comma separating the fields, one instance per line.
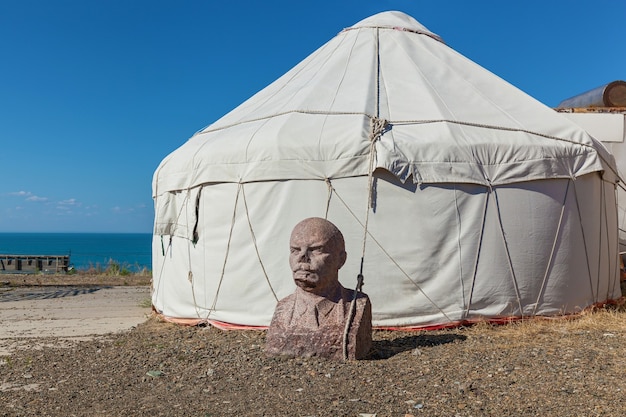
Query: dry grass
x=608, y=319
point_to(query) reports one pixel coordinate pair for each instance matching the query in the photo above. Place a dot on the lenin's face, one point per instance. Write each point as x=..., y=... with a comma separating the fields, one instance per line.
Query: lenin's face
x=315, y=256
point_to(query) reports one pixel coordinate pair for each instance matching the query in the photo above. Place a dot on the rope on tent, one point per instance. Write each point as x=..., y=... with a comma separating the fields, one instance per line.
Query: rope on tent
x=169, y=246
x=458, y=242
x=582, y=230
x=330, y=194
x=193, y=236
x=377, y=128
x=256, y=247
x=160, y=281
x=508, y=254
x=491, y=127
x=613, y=270
x=599, y=264
x=544, y=283
x=478, y=250
x=230, y=237
x=608, y=165
x=396, y=264
x=284, y=113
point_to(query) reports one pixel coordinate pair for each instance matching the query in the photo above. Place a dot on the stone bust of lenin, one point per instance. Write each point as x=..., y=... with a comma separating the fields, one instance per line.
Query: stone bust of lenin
x=312, y=320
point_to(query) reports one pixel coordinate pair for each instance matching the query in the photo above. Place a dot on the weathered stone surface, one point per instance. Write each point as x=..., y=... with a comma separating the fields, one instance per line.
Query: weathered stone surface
x=301, y=328
x=312, y=320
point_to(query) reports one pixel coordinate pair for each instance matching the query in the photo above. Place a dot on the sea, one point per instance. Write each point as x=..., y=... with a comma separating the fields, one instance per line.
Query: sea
x=86, y=250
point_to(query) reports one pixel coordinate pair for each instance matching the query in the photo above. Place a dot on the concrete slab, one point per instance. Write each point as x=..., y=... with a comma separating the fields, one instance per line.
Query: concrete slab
x=68, y=313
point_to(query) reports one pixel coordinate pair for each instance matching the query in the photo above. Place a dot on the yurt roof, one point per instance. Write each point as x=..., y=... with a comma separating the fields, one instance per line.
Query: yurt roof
x=432, y=115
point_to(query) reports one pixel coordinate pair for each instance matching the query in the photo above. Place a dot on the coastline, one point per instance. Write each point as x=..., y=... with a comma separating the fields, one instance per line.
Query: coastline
x=77, y=279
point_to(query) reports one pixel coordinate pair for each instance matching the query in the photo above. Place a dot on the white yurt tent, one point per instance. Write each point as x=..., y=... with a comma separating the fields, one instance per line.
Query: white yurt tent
x=459, y=196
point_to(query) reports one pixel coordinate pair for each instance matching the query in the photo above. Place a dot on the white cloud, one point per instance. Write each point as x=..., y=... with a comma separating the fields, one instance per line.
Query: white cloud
x=36, y=198
x=28, y=196
x=69, y=202
x=21, y=193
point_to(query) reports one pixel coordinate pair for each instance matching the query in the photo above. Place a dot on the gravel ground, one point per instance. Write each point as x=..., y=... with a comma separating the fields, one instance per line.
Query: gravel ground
x=538, y=367
x=160, y=369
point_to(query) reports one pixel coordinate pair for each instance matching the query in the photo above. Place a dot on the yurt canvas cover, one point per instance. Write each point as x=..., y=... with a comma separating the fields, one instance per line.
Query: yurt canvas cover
x=465, y=198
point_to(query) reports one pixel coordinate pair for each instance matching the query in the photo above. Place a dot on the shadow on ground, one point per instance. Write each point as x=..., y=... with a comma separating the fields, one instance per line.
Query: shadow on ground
x=47, y=293
x=385, y=349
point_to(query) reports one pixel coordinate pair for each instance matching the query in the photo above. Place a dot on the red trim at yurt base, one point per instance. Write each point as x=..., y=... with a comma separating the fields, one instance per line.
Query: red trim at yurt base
x=496, y=321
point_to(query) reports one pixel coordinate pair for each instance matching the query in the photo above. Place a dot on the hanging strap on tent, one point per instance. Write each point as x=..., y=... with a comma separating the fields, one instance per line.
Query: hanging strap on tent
x=330, y=195
x=377, y=128
x=352, y=312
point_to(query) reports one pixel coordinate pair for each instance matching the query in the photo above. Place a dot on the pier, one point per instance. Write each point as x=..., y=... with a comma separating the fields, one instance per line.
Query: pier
x=31, y=264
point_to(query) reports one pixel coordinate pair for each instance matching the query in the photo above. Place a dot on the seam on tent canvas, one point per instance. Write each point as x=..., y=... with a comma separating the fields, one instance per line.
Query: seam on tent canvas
x=582, y=230
x=478, y=250
x=256, y=247
x=169, y=246
x=607, y=165
x=557, y=233
x=157, y=290
x=377, y=72
x=616, y=274
x=230, y=236
x=508, y=129
x=508, y=254
x=337, y=88
x=599, y=254
x=284, y=113
x=377, y=128
x=189, y=271
x=252, y=136
x=612, y=263
x=398, y=28
x=300, y=69
x=458, y=242
x=406, y=275
x=441, y=101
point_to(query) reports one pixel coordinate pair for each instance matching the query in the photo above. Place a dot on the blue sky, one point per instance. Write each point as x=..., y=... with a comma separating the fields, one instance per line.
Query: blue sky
x=94, y=94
